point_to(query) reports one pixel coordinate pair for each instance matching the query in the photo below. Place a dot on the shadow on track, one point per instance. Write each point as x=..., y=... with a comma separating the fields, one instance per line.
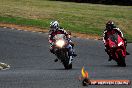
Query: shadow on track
x=64, y=69
x=115, y=66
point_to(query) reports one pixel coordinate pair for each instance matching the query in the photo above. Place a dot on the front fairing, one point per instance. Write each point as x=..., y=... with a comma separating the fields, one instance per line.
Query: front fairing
x=112, y=40
x=60, y=37
x=116, y=44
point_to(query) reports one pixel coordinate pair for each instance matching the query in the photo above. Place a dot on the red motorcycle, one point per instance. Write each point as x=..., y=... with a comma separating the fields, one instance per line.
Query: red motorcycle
x=117, y=49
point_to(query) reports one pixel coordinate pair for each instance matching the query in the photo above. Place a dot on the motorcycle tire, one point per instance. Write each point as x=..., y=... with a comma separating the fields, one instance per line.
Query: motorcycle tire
x=67, y=65
x=66, y=61
x=121, y=60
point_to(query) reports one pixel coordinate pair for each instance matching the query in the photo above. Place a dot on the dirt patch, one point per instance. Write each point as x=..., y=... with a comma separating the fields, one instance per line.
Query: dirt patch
x=35, y=29
x=27, y=28
x=86, y=36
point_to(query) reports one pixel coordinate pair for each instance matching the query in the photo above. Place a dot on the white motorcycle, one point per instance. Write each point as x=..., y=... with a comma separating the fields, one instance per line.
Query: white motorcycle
x=61, y=50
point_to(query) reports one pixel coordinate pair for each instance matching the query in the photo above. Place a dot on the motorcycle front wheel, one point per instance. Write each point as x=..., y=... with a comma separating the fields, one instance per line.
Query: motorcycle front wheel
x=66, y=61
x=121, y=60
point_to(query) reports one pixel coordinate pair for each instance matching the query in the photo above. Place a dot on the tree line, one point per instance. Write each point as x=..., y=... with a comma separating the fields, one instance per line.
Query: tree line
x=111, y=2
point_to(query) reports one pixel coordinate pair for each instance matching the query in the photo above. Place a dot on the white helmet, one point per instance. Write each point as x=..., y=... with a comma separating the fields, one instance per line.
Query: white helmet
x=54, y=25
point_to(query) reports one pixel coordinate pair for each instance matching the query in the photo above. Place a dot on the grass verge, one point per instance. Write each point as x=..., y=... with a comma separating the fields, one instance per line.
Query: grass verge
x=23, y=21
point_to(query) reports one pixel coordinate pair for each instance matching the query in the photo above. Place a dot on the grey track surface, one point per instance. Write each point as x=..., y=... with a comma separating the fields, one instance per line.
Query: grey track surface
x=32, y=64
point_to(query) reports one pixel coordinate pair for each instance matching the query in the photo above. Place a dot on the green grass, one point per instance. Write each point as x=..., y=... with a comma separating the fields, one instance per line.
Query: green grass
x=77, y=17
x=24, y=21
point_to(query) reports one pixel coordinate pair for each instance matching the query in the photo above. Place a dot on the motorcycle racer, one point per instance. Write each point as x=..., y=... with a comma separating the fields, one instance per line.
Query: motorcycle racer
x=56, y=29
x=110, y=26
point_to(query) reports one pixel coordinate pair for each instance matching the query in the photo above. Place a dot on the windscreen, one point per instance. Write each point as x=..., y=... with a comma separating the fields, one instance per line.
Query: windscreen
x=113, y=37
x=59, y=36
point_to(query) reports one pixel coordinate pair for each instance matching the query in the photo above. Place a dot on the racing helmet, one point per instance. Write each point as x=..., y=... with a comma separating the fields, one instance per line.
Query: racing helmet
x=110, y=25
x=54, y=25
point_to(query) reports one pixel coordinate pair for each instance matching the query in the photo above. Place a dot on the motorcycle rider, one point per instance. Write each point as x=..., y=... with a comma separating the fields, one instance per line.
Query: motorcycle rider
x=56, y=29
x=109, y=27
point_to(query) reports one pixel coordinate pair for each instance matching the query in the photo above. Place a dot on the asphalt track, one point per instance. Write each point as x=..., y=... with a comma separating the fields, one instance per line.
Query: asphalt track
x=32, y=64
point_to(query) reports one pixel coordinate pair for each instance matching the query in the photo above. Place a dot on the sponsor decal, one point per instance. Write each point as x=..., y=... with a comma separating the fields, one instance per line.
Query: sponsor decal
x=86, y=81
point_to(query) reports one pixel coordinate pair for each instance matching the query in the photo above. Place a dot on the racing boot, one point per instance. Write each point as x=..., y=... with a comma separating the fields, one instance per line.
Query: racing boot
x=56, y=60
x=125, y=40
x=74, y=55
x=127, y=53
x=52, y=50
x=110, y=58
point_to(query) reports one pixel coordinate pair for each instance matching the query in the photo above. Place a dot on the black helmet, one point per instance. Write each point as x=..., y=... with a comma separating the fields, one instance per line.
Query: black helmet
x=110, y=25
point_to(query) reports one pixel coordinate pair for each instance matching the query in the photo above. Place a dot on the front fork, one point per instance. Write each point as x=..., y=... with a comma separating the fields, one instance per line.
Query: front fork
x=123, y=51
x=70, y=53
x=114, y=52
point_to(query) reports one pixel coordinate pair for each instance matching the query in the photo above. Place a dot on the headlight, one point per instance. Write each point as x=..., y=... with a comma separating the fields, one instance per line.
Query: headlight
x=60, y=43
x=119, y=44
